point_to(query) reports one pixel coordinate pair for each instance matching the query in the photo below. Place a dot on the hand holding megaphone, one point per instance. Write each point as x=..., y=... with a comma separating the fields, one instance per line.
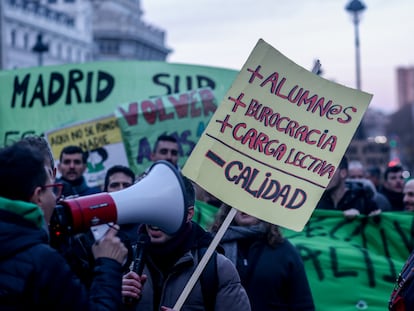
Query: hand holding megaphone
x=158, y=199
x=110, y=246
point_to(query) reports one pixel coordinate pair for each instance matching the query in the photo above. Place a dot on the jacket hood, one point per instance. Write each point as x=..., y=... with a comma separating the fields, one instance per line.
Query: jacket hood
x=27, y=210
x=18, y=231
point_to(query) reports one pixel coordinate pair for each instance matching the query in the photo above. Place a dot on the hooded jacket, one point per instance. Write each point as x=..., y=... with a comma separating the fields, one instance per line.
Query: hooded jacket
x=34, y=276
x=167, y=281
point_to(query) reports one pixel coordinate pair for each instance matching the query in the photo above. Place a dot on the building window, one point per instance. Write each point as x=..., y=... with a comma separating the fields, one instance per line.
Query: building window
x=13, y=38
x=109, y=47
x=78, y=56
x=26, y=41
x=69, y=56
x=59, y=50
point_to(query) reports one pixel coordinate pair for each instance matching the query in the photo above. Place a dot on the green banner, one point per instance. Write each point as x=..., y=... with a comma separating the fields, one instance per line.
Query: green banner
x=204, y=214
x=353, y=264
x=182, y=115
x=40, y=99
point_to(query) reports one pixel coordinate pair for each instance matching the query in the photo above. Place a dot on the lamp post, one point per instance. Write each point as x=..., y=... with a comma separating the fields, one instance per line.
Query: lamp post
x=355, y=8
x=39, y=48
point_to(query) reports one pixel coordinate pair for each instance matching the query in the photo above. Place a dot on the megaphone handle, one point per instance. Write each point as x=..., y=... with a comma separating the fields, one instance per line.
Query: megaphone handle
x=203, y=262
x=139, y=261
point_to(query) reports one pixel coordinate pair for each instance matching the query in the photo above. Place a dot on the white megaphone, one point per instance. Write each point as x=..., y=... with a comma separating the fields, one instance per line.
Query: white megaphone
x=158, y=199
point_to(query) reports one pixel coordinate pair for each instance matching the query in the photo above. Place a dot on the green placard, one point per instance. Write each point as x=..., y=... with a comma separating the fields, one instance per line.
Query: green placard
x=40, y=99
x=353, y=264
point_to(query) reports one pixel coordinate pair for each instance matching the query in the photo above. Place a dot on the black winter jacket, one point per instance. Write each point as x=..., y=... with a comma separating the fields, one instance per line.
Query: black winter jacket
x=34, y=276
x=356, y=197
x=274, y=278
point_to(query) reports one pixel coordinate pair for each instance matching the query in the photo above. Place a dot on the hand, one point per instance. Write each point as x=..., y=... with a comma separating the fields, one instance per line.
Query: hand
x=133, y=284
x=166, y=309
x=376, y=212
x=110, y=246
x=351, y=213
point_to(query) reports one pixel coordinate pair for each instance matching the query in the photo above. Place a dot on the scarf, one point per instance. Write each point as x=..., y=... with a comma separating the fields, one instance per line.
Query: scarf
x=165, y=255
x=236, y=233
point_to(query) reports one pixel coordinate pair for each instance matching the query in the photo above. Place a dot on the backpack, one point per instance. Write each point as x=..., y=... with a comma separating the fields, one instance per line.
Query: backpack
x=209, y=280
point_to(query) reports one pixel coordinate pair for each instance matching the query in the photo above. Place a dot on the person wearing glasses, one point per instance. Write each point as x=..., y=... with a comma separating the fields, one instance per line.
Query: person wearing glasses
x=33, y=275
x=41, y=144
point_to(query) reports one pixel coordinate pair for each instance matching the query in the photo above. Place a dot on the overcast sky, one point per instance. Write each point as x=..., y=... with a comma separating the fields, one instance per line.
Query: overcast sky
x=222, y=33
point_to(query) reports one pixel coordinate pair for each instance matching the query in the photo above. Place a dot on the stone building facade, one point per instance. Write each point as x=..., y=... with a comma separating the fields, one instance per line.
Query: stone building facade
x=76, y=31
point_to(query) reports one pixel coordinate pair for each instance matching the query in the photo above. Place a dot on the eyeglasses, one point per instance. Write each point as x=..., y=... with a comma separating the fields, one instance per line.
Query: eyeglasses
x=56, y=188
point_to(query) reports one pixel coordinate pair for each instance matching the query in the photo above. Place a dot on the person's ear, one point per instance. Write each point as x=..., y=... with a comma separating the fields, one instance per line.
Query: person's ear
x=59, y=167
x=36, y=197
x=343, y=173
x=190, y=213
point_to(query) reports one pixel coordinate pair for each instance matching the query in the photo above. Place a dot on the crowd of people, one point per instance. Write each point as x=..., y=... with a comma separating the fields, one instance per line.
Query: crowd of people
x=82, y=273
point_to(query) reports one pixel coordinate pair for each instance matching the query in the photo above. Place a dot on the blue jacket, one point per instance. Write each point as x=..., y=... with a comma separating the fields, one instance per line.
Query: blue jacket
x=78, y=187
x=34, y=276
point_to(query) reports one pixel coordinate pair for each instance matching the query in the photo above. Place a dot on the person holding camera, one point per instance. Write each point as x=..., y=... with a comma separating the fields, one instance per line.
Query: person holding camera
x=33, y=275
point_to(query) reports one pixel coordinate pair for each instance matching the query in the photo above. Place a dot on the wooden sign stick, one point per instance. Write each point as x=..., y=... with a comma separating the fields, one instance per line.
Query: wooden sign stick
x=203, y=262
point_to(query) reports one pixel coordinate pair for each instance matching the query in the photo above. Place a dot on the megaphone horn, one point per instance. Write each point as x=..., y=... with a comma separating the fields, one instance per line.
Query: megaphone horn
x=158, y=199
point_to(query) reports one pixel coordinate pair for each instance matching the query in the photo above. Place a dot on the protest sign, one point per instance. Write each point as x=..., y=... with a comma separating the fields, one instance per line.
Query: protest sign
x=353, y=264
x=40, y=99
x=182, y=115
x=100, y=137
x=276, y=139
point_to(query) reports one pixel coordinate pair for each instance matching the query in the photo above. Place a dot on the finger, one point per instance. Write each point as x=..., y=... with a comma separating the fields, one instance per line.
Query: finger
x=112, y=231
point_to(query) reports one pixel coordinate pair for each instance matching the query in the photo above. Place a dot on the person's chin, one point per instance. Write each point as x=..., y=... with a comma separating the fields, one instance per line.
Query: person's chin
x=409, y=208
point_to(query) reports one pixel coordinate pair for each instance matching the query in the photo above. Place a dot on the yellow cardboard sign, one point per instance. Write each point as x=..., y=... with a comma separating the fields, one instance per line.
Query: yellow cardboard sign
x=276, y=139
x=100, y=137
x=89, y=135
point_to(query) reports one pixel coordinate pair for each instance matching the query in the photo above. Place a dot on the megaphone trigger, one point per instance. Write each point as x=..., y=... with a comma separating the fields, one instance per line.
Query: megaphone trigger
x=100, y=230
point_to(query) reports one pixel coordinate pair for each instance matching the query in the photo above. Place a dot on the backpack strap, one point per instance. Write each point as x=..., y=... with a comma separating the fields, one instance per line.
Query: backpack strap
x=209, y=280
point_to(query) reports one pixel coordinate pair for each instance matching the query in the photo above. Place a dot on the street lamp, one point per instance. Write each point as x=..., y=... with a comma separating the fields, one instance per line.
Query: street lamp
x=355, y=8
x=39, y=48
